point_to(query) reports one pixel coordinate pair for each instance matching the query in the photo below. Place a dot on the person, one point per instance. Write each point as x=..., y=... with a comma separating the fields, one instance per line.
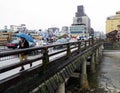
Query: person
x=23, y=56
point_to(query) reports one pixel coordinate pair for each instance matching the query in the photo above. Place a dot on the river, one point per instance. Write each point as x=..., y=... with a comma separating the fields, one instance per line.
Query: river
x=108, y=74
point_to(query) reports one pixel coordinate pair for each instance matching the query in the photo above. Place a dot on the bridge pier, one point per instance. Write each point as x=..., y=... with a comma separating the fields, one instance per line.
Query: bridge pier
x=84, y=81
x=61, y=88
x=97, y=56
x=92, y=63
x=100, y=50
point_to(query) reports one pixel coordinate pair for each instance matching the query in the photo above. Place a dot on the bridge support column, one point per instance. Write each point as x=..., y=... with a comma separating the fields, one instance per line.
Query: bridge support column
x=84, y=82
x=101, y=48
x=97, y=56
x=92, y=64
x=61, y=88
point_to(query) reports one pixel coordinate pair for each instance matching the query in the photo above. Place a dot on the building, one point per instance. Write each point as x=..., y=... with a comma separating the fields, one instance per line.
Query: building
x=112, y=22
x=78, y=30
x=65, y=30
x=53, y=33
x=80, y=11
x=13, y=28
x=18, y=28
x=5, y=37
x=35, y=34
x=118, y=33
x=22, y=28
x=81, y=23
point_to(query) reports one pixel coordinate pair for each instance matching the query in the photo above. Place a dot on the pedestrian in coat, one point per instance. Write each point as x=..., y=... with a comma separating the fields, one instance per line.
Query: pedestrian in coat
x=23, y=56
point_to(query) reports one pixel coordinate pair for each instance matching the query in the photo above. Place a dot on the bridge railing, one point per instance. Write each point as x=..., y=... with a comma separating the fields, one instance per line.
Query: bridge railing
x=45, y=57
x=45, y=53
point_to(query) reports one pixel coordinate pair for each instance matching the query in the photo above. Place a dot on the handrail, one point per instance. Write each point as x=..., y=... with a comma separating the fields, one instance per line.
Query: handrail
x=13, y=66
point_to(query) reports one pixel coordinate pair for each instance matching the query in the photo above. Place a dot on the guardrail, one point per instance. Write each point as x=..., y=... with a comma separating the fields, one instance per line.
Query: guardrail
x=46, y=58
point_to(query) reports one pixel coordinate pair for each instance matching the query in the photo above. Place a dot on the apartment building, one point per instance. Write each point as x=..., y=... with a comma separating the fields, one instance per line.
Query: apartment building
x=112, y=22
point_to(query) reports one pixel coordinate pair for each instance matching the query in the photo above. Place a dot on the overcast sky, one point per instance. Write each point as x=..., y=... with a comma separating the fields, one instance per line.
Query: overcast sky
x=42, y=14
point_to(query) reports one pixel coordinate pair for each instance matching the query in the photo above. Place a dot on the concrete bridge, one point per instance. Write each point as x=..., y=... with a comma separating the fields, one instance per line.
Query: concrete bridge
x=54, y=69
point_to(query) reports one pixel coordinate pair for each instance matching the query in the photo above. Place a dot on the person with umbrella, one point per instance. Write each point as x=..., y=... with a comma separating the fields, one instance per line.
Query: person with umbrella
x=23, y=56
x=24, y=38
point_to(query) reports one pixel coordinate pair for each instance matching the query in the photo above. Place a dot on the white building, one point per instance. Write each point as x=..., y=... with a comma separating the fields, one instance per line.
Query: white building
x=83, y=20
x=18, y=28
x=81, y=23
x=13, y=28
x=78, y=30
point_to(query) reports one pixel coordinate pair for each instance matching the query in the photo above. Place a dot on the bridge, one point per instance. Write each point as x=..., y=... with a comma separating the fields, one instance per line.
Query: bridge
x=52, y=69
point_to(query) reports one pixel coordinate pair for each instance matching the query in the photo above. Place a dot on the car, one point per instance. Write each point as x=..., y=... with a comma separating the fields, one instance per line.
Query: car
x=15, y=44
x=60, y=41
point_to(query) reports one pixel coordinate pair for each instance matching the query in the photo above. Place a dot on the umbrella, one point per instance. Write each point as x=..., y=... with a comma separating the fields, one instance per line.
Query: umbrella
x=26, y=36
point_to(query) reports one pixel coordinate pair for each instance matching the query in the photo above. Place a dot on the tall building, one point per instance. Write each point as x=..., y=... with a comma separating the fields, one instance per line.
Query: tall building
x=80, y=11
x=81, y=23
x=112, y=22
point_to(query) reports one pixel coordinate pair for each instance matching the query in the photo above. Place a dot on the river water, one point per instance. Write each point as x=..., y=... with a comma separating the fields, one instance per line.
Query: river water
x=108, y=74
x=110, y=71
